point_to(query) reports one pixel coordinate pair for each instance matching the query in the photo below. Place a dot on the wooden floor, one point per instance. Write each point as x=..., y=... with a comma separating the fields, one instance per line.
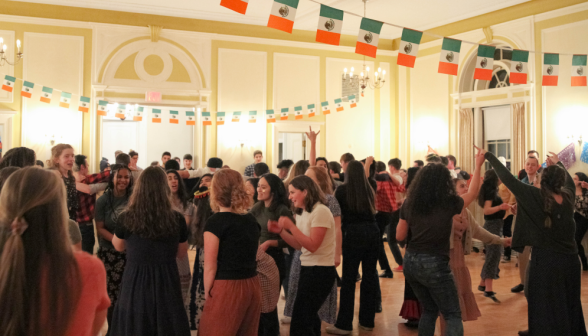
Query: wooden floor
x=502, y=319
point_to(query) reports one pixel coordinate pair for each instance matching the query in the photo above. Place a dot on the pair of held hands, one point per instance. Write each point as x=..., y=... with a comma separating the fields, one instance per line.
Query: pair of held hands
x=276, y=227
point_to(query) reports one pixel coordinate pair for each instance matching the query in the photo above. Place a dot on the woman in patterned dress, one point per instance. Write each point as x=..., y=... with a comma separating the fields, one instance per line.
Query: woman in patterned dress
x=108, y=208
x=180, y=203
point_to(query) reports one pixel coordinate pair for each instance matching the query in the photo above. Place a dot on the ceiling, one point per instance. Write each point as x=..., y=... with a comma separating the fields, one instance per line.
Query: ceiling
x=417, y=14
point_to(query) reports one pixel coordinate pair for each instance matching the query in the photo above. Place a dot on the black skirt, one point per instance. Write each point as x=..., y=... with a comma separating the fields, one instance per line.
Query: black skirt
x=555, y=306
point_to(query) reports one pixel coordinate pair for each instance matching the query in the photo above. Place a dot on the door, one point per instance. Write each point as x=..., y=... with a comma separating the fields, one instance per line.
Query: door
x=118, y=135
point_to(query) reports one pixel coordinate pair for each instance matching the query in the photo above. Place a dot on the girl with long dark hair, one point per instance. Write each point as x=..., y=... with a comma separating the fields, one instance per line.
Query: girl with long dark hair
x=108, y=208
x=154, y=235
x=45, y=287
x=581, y=214
x=273, y=203
x=18, y=157
x=426, y=218
x=180, y=203
x=494, y=211
x=314, y=234
x=360, y=245
x=197, y=294
x=545, y=221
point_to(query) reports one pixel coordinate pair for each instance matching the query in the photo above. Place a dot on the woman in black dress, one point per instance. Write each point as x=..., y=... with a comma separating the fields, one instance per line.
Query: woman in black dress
x=545, y=221
x=150, y=300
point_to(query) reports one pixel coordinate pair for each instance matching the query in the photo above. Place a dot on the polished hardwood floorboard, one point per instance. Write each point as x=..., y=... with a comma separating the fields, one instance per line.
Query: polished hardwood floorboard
x=503, y=319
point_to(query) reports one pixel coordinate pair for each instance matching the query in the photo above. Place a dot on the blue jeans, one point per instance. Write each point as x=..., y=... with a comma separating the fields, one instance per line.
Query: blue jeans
x=431, y=279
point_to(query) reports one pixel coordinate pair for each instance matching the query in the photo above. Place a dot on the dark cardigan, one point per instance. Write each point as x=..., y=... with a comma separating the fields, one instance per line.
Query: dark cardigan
x=530, y=221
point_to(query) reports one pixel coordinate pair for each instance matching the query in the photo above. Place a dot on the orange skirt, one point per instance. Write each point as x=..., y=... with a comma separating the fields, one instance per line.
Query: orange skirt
x=463, y=282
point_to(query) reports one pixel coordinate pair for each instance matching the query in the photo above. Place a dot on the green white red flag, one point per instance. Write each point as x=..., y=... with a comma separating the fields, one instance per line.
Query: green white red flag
x=139, y=114
x=352, y=101
x=101, y=110
x=298, y=112
x=368, y=37
x=190, y=118
x=311, y=110
x=409, y=47
x=236, y=117
x=206, y=119
x=339, y=104
x=65, y=99
x=84, y=104
x=325, y=107
x=27, y=89
x=120, y=112
x=282, y=15
x=8, y=84
x=329, y=25
x=284, y=114
x=220, y=118
x=579, y=70
x=484, y=62
x=271, y=116
x=156, y=116
x=519, y=67
x=449, y=57
x=239, y=6
x=46, y=95
x=252, y=117
x=550, y=69
x=174, y=117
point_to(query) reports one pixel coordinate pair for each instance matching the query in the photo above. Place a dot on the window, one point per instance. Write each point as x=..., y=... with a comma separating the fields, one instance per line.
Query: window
x=499, y=148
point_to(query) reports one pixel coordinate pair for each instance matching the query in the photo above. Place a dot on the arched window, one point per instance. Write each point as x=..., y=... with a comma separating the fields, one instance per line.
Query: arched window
x=500, y=73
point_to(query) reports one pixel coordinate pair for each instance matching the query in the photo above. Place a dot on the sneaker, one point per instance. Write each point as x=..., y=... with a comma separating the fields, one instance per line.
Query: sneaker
x=414, y=324
x=286, y=320
x=398, y=269
x=518, y=288
x=365, y=328
x=491, y=295
x=336, y=331
x=388, y=275
x=482, y=288
x=505, y=260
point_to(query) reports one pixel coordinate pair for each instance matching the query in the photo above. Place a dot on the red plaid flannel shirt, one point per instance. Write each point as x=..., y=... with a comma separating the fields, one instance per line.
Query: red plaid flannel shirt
x=386, y=196
x=88, y=202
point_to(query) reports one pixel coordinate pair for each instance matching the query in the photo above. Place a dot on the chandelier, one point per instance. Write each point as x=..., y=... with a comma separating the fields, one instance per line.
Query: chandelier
x=363, y=80
x=3, y=59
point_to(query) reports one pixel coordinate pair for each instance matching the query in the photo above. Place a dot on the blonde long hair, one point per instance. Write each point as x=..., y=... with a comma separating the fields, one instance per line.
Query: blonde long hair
x=228, y=190
x=39, y=276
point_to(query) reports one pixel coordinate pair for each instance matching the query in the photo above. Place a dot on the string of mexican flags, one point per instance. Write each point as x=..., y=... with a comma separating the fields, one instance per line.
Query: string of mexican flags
x=330, y=23
x=173, y=116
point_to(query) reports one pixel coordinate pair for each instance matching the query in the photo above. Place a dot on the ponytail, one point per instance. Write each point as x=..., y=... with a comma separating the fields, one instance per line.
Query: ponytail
x=13, y=319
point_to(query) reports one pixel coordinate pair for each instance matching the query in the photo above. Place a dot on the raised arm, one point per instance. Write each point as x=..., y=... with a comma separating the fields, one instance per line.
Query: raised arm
x=472, y=193
x=569, y=183
x=515, y=186
x=312, y=138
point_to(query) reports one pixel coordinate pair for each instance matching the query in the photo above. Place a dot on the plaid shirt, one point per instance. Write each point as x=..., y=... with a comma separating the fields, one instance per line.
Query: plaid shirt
x=269, y=279
x=87, y=202
x=386, y=196
x=249, y=170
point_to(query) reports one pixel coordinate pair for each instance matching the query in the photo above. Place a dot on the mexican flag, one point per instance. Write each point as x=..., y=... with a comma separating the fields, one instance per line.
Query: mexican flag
x=252, y=117
x=101, y=111
x=121, y=111
x=579, y=70
x=368, y=37
x=339, y=104
x=139, y=114
x=239, y=6
x=409, y=47
x=84, y=104
x=65, y=99
x=485, y=62
x=8, y=84
x=449, y=57
x=519, y=67
x=325, y=107
x=284, y=114
x=352, y=101
x=298, y=112
x=174, y=115
x=550, y=69
x=206, y=119
x=46, y=94
x=236, y=116
x=27, y=89
x=156, y=116
x=270, y=116
x=311, y=110
x=329, y=25
x=282, y=15
x=220, y=118
x=190, y=118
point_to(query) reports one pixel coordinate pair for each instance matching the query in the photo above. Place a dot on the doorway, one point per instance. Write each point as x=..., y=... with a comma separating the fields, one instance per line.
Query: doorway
x=292, y=146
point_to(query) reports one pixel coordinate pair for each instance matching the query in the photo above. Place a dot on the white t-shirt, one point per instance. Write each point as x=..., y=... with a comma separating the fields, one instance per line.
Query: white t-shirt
x=199, y=172
x=319, y=217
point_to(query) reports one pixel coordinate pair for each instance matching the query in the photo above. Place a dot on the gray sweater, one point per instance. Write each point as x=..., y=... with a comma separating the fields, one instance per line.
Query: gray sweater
x=531, y=229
